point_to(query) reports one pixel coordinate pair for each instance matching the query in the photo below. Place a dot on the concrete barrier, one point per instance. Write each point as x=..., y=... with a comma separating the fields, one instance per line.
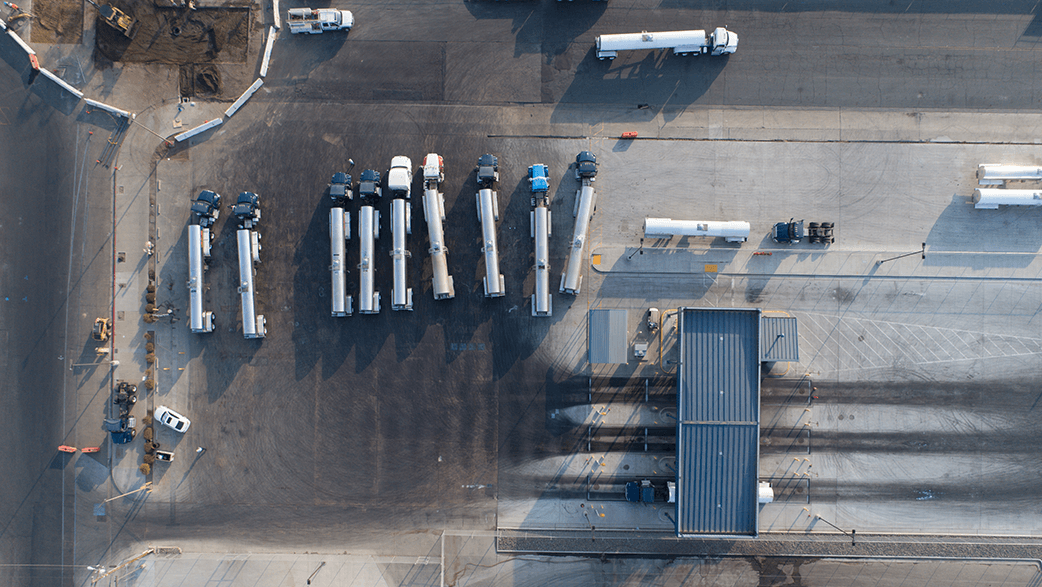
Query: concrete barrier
x=199, y=129
x=19, y=40
x=267, y=51
x=278, y=18
x=243, y=98
x=108, y=108
x=62, y=83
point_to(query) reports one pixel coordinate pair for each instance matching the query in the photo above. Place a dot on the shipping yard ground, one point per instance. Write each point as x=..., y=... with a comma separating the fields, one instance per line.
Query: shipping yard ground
x=451, y=445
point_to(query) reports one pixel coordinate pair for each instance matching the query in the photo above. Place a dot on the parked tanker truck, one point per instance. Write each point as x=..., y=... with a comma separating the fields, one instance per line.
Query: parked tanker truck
x=720, y=42
x=585, y=203
x=399, y=182
x=539, y=181
x=488, y=213
x=339, y=233
x=434, y=212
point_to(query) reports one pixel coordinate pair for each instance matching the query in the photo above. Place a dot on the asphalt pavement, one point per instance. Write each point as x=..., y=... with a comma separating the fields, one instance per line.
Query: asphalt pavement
x=374, y=434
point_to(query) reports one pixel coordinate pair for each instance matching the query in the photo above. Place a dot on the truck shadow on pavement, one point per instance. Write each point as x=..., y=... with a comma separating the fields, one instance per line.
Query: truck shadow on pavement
x=962, y=229
x=651, y=82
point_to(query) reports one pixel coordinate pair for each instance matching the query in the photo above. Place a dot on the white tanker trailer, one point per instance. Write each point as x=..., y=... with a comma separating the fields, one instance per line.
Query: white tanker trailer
x=720, y=42
x=992, y=174
x=730, y=231
x=992, y=198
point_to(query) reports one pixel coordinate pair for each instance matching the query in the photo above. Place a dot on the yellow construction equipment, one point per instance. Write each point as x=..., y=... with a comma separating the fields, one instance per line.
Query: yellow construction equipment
x=117, y=19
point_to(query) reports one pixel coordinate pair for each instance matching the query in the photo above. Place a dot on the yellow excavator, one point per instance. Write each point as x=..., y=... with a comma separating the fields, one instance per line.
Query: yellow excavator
x=117, y=19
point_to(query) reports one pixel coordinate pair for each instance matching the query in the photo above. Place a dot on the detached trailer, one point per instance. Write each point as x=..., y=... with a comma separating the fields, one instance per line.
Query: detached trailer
x=993, y=174
x=992, y=198
x=434, y=212
x=720, y=42
x=730, y=231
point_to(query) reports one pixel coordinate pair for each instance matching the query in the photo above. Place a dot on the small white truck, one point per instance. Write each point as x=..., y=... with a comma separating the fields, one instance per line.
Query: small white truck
x=319, y=20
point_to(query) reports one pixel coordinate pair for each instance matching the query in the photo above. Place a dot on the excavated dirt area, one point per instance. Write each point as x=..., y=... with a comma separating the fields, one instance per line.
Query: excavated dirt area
x=175, y=35
x=57, y=21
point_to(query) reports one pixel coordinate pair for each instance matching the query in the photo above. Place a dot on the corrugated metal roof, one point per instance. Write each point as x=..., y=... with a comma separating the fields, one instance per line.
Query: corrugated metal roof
x=719, y=374
x=609, y=337
x=779, y=340
x=717, y=478
x=718, y=430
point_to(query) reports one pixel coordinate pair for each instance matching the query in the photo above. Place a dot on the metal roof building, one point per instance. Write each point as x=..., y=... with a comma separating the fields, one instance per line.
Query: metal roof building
x=609, y=336
x=718, y=421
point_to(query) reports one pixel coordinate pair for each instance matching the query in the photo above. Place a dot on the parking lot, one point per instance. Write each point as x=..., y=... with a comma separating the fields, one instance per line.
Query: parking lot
x=378, y=434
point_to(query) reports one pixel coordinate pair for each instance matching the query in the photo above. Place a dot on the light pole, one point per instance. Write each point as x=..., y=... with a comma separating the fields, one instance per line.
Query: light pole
x=640, y=250
x=922, y=251
x=853, y=541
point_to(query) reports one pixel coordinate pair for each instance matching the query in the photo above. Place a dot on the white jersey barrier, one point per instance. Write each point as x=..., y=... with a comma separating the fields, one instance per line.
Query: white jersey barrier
x=992, y=198
x=990, y=174
x=542, y=303
x=199, y=129
x=198, y=245
x=571, y=279
x=25, y=46
x=488, y=214
x=59, y=81
x=250, y=91
x=401, y=225
x=108, y=108
x=253, y=324
x=732, y=231
x=267, y=52
x=368, y=232
x=339, y=234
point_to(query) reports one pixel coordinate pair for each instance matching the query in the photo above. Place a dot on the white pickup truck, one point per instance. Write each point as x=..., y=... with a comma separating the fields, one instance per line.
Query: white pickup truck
x=319, y=20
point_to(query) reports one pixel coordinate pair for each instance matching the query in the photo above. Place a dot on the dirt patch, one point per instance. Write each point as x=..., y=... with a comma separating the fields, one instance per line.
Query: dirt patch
x=200, y=80
x=57, y=21
x=176, y=35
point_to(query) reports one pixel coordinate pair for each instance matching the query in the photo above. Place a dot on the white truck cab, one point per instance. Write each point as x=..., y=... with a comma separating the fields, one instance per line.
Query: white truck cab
x=315, y=21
